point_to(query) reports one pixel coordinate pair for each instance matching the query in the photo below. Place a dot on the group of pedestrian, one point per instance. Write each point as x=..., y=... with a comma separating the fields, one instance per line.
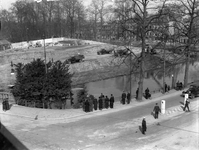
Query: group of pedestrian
x=104, y=102
x=5, y=104
x=146, y=95
x=179, y=86
x=157, y=110
x=126, y=98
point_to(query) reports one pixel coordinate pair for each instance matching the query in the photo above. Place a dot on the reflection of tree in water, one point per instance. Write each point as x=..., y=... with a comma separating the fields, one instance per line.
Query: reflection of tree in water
x=119, y=83
x=193, y=72
x=123, y=83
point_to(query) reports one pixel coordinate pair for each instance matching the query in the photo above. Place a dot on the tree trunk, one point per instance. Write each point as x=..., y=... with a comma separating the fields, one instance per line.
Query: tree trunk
x=143, y=36
x=141, y=80
x=186, y=75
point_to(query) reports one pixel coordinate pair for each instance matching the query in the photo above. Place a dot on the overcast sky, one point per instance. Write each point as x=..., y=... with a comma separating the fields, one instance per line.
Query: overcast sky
x=5, y=4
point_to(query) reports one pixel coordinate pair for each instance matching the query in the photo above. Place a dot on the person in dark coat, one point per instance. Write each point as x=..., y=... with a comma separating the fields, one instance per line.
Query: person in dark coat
x=144, y=127
x=86, y=105
x=101, y=95
x=123, y=97
x=165, y=87
x=168, y=88
x=95, y=103
x=186, y=105
x=100, y=103
x=103, y=102
x=4, y=105
x=128, y=97
x=90, y=100
x=106, y=102
x=181, y=86
x=7, y=104
x=112, y=100
x=137, y=91
x=147, y=94
x=156, y=111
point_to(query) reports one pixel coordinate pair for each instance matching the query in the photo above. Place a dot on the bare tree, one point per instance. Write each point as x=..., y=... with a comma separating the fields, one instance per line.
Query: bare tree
x=186, y=28
x=137, y=18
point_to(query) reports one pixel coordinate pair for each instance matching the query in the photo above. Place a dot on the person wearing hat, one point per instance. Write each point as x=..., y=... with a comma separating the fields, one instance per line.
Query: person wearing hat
x=112, y=101
x=4, y=105
x=123, y=97
x=186, y=105
x=156, y=110
x=144, y=127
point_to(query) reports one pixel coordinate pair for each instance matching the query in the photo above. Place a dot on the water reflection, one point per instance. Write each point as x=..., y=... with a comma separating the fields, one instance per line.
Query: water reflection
x=153, y=80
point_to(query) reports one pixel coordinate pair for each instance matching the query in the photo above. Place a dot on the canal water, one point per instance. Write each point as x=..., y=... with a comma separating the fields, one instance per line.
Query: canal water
x=153, y=80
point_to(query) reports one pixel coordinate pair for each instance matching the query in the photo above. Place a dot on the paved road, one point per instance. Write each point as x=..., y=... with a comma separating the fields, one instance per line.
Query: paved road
x=118, y=130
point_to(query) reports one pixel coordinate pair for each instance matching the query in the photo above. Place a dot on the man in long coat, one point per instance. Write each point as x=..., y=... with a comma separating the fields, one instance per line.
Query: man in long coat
x=100, y=103
x=95, y=103
x=4, y=105
x=144, y=127
x=90, y=100
x=106, y=102
x=103, y=101
x=112, y=100
x=137, y=91
x=123, y=97
x=156, y=110
x=86, y=105
x=128, y=97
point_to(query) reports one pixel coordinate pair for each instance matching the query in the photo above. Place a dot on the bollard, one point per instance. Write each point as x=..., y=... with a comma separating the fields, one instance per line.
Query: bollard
x=186, y=96
x=163, y=103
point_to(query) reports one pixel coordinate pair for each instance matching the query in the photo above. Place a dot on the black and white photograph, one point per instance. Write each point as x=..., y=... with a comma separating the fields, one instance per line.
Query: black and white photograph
x=99, y=74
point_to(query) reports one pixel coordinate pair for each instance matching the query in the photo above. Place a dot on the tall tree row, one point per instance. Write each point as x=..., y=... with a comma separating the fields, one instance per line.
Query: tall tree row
x=33, y=20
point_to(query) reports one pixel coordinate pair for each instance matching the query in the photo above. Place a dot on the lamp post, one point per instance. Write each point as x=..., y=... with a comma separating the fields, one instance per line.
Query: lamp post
x=45, y=54
x=172, y=84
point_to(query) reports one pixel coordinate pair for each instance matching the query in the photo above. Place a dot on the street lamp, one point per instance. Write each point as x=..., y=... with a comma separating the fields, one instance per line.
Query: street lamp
x=45, y=54
x=172, y=84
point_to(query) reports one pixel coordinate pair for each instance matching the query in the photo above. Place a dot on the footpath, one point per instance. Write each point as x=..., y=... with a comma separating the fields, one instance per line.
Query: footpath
x=66, y=114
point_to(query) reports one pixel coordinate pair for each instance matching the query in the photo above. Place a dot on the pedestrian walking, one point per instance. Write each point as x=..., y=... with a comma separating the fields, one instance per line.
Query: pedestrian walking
x=100, y=103
x=106, y=102
x=156, y=110
x=144, y=127
x=112, y=100
x=186, y=104
x=128, y=97
x=95, y=103
x=123, y=97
